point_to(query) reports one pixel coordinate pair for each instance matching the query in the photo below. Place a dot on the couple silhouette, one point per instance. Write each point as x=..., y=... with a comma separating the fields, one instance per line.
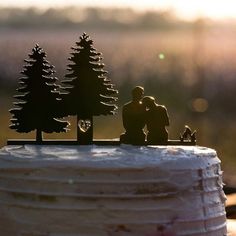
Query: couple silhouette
x=143, y=111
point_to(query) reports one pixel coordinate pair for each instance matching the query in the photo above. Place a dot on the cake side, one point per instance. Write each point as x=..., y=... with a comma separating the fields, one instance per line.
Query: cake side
x=92, y=156
x=122, y=190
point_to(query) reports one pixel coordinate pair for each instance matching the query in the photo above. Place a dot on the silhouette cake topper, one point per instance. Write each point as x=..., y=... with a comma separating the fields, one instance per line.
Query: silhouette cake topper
x=87, y=92
x=38, y=103
x=145, y=111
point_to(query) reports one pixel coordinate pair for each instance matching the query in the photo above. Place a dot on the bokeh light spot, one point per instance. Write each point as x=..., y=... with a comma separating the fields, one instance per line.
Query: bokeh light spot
x=70, y=181
x=161, y=56
x=199, y=104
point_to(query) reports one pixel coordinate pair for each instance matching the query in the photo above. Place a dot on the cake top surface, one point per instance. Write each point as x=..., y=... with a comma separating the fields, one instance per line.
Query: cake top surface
x=92, y=156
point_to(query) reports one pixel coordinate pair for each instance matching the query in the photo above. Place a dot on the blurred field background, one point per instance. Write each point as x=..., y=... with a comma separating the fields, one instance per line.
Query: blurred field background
x=190, y=66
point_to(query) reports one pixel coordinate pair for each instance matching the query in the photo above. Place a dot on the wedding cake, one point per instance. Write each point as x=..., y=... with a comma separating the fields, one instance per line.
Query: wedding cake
x=111, y=191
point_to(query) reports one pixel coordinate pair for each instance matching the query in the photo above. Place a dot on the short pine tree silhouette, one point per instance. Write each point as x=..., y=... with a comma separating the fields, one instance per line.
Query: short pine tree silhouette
x=39, y=98
x=88, y=91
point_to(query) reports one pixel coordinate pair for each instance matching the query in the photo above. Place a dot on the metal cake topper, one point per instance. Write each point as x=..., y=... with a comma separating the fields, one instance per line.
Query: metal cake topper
x=38, y=105
x=87, y=92
x=145, y=111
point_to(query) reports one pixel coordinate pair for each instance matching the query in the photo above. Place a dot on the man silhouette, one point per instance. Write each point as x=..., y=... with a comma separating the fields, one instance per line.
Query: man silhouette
x=156, y=120
x=133, y=115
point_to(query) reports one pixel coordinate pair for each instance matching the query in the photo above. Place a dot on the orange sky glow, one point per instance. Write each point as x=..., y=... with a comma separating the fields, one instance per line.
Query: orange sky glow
x=215, y=9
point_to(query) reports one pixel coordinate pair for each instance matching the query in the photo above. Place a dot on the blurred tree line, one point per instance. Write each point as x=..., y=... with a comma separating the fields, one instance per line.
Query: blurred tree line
x=106, y=18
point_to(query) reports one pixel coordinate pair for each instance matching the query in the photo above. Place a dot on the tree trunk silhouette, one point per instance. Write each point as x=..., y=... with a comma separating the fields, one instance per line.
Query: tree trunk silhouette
x=85, y=137
x=39, y=137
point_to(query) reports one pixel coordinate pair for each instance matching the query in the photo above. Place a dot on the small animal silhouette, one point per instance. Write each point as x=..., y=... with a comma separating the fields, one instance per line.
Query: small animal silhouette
x=188, y=134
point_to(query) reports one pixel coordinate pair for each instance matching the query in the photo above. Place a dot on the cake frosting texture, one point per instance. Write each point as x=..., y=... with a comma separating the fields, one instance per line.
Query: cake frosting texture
x=111, y=191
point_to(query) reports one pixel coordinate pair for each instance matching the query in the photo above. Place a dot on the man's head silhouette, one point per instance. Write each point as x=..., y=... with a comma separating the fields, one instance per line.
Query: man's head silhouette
x=137, y=93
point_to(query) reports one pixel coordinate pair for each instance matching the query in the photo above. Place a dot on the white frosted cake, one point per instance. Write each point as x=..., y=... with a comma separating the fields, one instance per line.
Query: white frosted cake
x=111, y=191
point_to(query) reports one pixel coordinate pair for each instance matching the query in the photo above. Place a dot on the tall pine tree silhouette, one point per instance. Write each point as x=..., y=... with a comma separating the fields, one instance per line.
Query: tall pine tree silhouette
x=39, y=98
x=88, y=91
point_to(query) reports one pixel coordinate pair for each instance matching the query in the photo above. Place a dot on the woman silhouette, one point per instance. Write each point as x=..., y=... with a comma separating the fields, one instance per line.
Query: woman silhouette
x=156, y=119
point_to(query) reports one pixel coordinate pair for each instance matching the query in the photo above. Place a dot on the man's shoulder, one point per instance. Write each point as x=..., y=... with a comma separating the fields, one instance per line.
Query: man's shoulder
x=133, y=107
x=127, y=105
x=132, y=104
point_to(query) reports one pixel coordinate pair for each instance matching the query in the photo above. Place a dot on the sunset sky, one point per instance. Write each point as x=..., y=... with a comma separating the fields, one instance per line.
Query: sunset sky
x=217, y=9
